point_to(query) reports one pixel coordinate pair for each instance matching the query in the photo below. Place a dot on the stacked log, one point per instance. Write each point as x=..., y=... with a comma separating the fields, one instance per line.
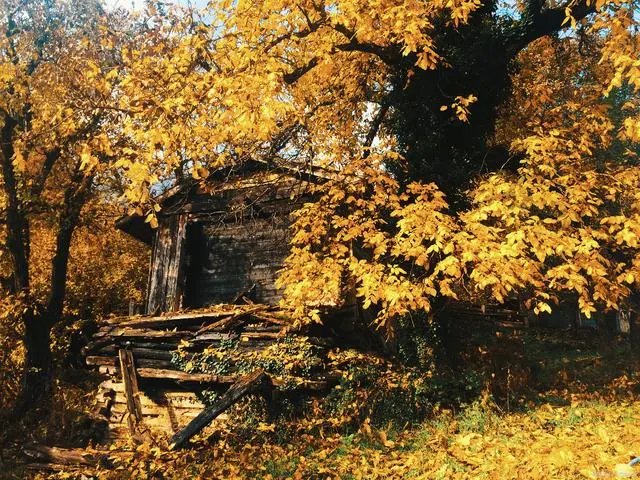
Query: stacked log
x=166, y=398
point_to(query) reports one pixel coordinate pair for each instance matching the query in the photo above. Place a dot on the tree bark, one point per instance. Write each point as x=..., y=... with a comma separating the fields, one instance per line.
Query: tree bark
x=447, y=333
x=39, y=321
x=17, y=223
x=38, y=362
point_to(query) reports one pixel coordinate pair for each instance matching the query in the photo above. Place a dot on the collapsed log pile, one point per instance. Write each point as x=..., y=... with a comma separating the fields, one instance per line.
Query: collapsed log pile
x=165, y=370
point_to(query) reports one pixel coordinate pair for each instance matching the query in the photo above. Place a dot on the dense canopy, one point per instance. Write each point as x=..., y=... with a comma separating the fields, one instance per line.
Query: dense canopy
x=481, y=151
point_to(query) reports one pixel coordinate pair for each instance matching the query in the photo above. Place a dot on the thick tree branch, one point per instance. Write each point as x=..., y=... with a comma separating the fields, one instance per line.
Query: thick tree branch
x=538, y=22
x=375, y=127
x=50, y=159
x=311, y=28
x=52, y=156
x=388, y=55
x=295, y=75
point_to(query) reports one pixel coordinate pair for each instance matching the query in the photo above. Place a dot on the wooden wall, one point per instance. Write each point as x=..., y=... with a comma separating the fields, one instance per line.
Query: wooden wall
x=211, y=247
x=233, y=257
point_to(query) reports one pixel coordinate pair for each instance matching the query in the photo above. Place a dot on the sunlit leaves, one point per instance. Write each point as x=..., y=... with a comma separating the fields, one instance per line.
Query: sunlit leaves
x=375, y=241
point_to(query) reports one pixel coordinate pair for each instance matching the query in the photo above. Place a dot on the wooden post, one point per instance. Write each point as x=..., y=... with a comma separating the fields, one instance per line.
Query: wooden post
x=166, y=276
x=257, y=381
x=130, y=382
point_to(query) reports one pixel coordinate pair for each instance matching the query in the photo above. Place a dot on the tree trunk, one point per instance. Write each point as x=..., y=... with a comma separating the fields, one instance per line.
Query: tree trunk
x=38, y=363
x=38, y=323
x=447, y=333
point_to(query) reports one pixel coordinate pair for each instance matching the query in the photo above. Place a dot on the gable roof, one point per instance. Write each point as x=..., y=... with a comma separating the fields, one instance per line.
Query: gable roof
x=219, y=181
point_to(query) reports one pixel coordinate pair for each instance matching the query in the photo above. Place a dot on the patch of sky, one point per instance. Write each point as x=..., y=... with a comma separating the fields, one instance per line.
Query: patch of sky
x=138, y=5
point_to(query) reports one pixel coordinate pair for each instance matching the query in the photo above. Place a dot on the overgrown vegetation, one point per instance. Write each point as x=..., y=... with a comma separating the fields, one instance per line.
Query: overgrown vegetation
x=575, y=416
x=468, y=151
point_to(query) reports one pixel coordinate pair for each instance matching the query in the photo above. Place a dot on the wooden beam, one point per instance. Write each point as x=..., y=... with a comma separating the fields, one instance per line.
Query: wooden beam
x=166, y=275
x=60, y=459
x=214, y=337
x=67, y=456
x=114, y=364
x=130, y=382
x=160, y=320
x=257, y=381
x=297, y=383
x=165, y=374
x=127, y=332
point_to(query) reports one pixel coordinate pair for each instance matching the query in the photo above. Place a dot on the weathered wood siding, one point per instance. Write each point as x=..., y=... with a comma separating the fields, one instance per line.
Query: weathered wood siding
x=213, y=244
x=166, y=275
x=227, y=258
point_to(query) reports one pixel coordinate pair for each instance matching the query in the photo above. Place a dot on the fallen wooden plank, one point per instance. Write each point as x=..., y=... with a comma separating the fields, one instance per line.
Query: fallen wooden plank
x=163, y=398
x=166, y=374
x=145, y=333
x=257, y=381
x=131, y=390
x=173, y=422
x=271, y=318
x=162, y=320
x=160, y=410
x=315, y=384
x=175, y=392
x=214, y=337
x=151, y=353
x=261, y=327
x=231, y=321
x=112, y=362
x=161, y=401
x=66, y=456
x=110, y=345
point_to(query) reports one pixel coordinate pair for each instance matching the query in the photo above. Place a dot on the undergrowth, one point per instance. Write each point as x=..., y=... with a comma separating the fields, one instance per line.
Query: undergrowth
x=528, y=404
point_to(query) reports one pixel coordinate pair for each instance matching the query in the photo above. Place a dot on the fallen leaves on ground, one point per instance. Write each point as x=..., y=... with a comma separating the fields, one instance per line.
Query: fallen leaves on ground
x=590, y=435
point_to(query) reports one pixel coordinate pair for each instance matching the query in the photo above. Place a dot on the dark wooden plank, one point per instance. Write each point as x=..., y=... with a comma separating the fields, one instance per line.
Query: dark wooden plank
x=173, y=319
x=231, y=321
x=56, y=458
x=214, y=337
x=162, y=345
x=112, y=361
x=148, y=333
x=175, y=274
x=159, y=254
x=65, y=456
x=150, y=353
x=257, y=381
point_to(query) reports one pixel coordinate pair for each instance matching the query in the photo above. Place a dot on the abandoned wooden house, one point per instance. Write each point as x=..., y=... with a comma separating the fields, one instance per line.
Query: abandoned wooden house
x=214, y=262
x=228, y=241
x=211, y=318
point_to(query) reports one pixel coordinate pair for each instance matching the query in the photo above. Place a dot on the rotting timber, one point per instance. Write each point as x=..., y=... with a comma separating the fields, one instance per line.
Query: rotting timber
x=163, y=369
x=211, y=316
